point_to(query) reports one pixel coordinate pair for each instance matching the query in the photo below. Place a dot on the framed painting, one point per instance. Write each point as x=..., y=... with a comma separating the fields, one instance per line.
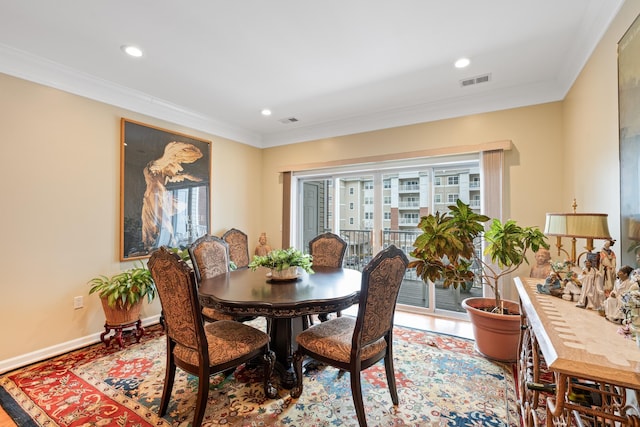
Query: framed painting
x=629, y=119
x=165, y=180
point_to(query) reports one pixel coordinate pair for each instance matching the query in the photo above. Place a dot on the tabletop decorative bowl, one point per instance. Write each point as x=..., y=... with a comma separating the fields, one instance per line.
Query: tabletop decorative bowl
x=288, y=274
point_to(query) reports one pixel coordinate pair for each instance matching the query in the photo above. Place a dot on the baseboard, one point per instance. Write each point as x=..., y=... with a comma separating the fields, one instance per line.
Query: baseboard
x=65, y=347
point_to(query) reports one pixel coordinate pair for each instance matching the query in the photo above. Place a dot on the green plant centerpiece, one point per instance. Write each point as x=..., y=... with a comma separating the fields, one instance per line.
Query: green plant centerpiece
x=283, y=263
x=446, y=248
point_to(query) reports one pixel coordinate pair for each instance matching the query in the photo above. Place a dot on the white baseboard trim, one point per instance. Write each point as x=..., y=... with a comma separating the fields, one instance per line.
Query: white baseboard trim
x=55, y=350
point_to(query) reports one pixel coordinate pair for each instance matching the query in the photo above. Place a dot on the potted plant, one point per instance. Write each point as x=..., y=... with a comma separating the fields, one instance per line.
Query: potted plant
x=122, y=294
x=283, y=263
x=446, y=250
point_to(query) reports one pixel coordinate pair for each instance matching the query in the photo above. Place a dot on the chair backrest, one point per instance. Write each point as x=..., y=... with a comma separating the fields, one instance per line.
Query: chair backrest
x=210, y=256
x=328, y=250
x=238, y=247
x=381, y=280
x=177, y=289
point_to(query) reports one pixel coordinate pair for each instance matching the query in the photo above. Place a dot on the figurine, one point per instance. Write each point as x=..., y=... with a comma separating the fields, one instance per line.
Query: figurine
x=552, y=285
x=608, y=264
x=542, y=268
x=592, y=293
x=572, y=287
x=613, y=303
x=263, y=248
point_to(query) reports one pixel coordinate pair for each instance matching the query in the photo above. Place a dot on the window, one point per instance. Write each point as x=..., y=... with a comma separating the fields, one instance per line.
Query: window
x=453, y=180
x=390, y=208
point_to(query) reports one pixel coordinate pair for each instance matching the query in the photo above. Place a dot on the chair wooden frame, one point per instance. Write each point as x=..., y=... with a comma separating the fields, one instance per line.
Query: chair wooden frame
x=372, y=335
x=328, y=250
x=204, y=268
x=238, y=247
x=187, y=334
x=200, y=266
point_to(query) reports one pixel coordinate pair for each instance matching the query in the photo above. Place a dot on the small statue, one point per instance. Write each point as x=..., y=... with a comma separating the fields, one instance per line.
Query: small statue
x=571, y=287
x=552, y=285
x=592, y=293
x=263, y=248
x=542, y=268
x=608, y=265
x=613, y=309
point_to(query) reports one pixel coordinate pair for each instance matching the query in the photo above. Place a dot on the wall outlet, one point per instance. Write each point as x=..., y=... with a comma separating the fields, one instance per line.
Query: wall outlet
x=78, y=302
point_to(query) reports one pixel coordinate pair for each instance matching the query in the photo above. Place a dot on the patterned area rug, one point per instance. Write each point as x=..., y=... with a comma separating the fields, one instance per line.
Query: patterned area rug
x=441, y=382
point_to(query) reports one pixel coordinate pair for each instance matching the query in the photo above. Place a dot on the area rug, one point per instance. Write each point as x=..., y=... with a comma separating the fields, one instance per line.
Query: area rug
x=441, y=381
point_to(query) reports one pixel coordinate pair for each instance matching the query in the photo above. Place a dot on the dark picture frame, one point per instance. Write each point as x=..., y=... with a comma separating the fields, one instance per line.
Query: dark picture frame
x=629, y=123
x=165, y=182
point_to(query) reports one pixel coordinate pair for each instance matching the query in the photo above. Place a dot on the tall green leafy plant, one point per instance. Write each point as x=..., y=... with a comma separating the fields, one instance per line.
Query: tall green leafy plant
x=128, y=286
x=447, y=248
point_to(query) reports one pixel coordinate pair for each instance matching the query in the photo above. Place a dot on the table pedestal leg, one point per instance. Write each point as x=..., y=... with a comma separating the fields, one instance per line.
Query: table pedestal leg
x=283, y=344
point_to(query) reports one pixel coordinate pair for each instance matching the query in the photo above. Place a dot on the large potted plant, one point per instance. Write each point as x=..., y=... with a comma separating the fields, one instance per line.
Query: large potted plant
x=123, y=293
x=283, y=263
x=447, y=249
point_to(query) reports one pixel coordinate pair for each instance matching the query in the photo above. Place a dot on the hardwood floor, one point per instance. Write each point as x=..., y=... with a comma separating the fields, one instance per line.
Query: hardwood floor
x=461, y=328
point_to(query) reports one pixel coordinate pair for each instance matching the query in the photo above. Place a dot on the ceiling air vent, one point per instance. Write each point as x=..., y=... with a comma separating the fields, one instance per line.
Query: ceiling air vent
x=475, y=80
x=288, y=120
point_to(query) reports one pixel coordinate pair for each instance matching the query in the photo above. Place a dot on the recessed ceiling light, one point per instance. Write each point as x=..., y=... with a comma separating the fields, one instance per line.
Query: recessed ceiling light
x=462, y=62
x=265, y=112
x=132, y=50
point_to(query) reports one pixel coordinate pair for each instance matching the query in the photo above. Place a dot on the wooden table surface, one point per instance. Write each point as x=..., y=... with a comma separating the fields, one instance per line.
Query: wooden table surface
x=579, y=342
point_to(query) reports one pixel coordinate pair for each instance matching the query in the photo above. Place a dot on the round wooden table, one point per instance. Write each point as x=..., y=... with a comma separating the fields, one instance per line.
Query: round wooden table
x=251, y=293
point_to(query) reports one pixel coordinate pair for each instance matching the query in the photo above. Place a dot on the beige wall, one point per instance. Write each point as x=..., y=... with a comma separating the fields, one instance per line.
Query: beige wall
x=60, y=211
x=591, y=133
x=60, y=175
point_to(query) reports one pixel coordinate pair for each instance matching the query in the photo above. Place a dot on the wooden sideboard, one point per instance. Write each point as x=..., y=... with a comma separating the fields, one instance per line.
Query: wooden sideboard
x=594, y=371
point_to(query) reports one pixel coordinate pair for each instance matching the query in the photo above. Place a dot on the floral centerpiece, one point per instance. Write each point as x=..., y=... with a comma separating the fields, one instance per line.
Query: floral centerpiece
x=284, y=263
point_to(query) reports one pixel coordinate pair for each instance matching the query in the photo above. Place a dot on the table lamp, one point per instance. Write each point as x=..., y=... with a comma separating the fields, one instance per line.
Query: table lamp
x=588, y=226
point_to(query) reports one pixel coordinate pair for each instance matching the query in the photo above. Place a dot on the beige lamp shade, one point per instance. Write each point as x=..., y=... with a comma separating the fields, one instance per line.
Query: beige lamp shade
x=582, y=225
x=634, y=229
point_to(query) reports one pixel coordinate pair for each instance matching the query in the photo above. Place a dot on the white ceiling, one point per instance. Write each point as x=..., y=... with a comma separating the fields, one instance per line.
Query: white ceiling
x=338, y=66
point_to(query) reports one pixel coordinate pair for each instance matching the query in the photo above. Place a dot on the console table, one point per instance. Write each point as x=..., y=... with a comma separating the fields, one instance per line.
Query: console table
x=594, y=372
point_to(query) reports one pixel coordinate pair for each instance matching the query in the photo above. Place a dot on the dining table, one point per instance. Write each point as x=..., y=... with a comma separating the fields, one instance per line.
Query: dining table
x=246, y=292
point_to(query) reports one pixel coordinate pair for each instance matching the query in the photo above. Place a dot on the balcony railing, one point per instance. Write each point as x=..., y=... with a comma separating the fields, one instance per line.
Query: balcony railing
x=414, y=291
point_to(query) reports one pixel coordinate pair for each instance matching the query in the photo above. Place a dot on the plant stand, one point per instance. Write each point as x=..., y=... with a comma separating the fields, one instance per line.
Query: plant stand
x=138, y=332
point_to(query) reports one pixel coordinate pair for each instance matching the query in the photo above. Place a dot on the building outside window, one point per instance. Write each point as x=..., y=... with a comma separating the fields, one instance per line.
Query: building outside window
x=453, y=180
x=452, y=198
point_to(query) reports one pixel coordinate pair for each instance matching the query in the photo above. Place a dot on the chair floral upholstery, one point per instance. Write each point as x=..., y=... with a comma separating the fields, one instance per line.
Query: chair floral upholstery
x=210, y=257
x=327, y=250
x=356, y=344
x=199, y=349
x=238, y=247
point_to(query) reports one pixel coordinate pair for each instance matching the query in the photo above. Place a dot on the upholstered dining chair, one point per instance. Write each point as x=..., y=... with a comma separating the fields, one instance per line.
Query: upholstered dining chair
x=238, y=247
x=210, y=257
x=195, y=347
x=327, y=250
x=356, y=344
